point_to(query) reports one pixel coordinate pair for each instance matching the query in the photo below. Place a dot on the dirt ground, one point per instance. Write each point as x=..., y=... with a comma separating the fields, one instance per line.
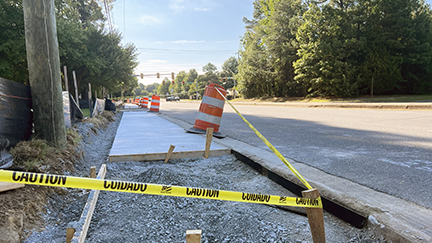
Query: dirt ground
x=42, y=214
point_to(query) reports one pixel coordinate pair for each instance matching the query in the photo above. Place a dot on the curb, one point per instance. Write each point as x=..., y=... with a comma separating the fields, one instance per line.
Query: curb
x=348, y=105
x=395, y=219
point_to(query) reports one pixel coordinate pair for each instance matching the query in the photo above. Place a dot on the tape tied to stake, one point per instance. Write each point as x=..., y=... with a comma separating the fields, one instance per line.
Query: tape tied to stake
x=153, y=189
x=275, y=151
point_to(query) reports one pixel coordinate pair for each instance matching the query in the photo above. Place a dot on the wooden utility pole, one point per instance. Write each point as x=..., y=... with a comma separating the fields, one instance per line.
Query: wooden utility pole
x=44, y=70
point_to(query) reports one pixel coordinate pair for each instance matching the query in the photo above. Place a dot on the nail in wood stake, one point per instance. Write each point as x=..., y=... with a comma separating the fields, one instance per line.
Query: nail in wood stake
x=168, y=155
x=209, y=135
x=315, y=217
x=193, y=236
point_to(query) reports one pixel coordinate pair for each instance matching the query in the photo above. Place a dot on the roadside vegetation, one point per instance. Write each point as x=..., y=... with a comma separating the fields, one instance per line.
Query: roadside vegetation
x=86, y=46
x=294, y=48
x=383, y=98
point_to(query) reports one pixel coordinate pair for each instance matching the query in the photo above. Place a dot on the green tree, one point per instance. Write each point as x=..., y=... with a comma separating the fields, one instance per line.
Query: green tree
x=209, y=67
x=152, y=87
x=164, y=87
x=13, y=57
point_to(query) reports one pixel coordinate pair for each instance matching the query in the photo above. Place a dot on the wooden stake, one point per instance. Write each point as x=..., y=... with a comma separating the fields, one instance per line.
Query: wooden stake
x=69, y=234
x=168, y=155
x=66, y=79
x=93, y=172
x=193, y=236
x=76, y=89
x=209, y=135
x=315, y=217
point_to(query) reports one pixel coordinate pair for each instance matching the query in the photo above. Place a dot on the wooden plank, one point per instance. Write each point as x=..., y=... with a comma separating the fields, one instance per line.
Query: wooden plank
x=315, y=217
x=161, y=156
x=193, y=236
x=168, y=155
x=209, y=135
x=6, y=186
x=87, y=214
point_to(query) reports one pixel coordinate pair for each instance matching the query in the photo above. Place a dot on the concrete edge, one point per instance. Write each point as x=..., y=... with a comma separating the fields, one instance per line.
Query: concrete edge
x=379, y=219
x=344, y=105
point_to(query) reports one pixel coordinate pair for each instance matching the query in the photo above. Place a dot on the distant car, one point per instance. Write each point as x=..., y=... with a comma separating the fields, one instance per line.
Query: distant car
x=172, y=98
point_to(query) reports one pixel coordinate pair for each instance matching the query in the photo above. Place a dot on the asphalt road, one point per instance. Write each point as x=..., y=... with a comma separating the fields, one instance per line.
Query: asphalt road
x=387, y=150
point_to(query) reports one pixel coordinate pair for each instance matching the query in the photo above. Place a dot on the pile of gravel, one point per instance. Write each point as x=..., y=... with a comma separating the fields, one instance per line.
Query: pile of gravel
x=127, y=217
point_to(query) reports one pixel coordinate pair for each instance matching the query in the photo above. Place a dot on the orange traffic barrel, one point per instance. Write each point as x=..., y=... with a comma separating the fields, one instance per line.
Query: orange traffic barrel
x=154, y=105
x=210, y=111
x=137, y=101
x=144, y=102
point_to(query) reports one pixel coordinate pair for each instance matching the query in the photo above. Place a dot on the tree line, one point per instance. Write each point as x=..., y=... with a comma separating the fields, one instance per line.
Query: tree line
x=85, y=46
x=336, y=48
x=186, y=84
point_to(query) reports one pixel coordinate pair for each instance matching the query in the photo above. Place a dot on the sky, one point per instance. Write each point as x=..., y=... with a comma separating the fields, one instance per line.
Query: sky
x=179, y=35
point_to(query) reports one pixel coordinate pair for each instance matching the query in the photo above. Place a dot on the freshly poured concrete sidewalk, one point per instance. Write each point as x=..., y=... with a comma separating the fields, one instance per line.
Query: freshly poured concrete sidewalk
x=144, y=136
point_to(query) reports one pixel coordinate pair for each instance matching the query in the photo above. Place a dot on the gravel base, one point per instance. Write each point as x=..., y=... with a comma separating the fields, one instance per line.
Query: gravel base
x=126, y=217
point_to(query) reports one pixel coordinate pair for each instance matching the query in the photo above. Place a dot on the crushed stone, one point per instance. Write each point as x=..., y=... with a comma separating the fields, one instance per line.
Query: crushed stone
x=127, y=217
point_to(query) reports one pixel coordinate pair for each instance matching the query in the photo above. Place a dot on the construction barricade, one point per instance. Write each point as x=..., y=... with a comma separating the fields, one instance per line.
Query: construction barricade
x=210, y=111
x=155, y=102
x=144, y=102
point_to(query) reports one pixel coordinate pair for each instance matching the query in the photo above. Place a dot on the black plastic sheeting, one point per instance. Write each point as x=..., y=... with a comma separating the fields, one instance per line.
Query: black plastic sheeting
x=16, y=117
x=109, y=105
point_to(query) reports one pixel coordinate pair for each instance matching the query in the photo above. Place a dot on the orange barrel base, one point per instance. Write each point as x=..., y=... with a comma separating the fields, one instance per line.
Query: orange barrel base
x=155, y=102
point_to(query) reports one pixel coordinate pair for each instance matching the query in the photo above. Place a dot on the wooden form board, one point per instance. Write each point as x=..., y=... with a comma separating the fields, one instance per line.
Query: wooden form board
x=6, y=186
x=161, y=156
x=81, y=234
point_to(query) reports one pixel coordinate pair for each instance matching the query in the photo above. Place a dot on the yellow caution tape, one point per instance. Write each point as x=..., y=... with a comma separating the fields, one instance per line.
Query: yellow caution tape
x=153, y=189
x=275, y=151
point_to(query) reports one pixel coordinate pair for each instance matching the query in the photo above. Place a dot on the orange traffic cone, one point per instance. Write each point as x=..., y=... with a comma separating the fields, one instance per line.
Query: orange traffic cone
x=210, y=111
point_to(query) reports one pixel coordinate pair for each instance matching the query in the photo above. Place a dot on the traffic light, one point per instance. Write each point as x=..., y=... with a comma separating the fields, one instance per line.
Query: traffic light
x=157, y=75
x=173, y=82
x=172, y=75
x=163, y=82
x=183, y=82
x=142, y=76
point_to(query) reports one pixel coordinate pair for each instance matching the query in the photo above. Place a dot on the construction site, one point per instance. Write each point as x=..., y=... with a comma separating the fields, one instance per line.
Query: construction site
x=141, y=145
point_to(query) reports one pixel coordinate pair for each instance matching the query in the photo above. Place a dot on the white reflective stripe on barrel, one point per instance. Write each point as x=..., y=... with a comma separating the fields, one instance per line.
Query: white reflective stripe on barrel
x=213, y=101
x=155, y=101
x=208, y=118
x=154, y=106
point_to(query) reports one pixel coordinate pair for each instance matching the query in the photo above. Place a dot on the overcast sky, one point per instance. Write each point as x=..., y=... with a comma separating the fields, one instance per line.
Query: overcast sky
x=175, y=35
